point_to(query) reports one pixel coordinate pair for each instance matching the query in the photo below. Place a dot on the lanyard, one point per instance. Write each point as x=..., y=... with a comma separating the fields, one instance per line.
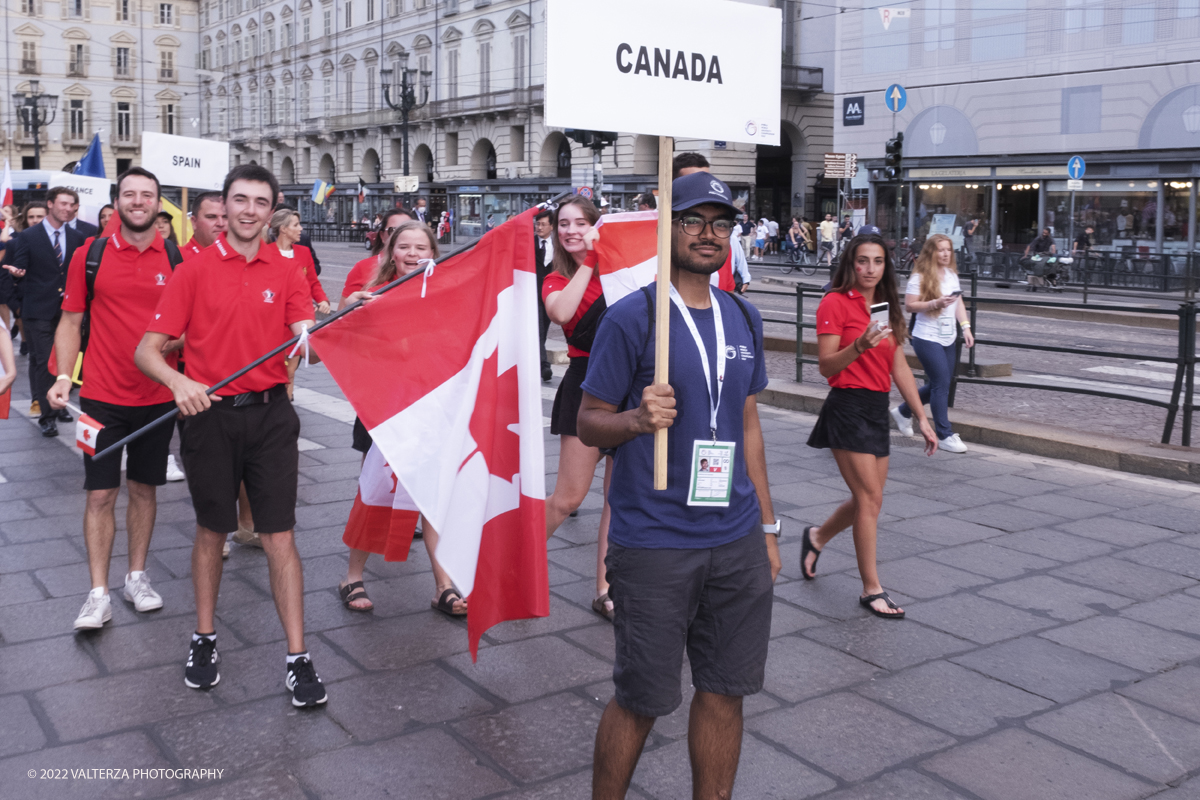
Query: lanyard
x=713, y=405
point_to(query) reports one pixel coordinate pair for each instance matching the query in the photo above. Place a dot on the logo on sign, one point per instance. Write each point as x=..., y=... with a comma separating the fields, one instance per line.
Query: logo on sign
x=268, y=296
x=854, y=111
x=751, y=128
x=160, y=280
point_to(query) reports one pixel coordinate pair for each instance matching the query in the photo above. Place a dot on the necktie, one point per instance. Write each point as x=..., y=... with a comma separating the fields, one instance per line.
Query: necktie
x=58, y=248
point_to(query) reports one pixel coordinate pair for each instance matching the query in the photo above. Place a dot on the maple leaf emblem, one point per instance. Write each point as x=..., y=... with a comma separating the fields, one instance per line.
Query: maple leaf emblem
x=87, y=434
x=495, y=419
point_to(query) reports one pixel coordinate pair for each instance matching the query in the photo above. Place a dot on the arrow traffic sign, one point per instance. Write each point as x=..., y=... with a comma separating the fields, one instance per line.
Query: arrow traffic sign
x=841, y=165
x=1076, y=168
x=896, y=98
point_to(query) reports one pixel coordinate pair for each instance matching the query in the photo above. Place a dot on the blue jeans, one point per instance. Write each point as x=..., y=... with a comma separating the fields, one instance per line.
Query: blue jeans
x=939, y=363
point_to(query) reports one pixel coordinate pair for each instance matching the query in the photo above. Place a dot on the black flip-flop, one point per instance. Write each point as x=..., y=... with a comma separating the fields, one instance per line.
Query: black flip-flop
x=806, y=547
x=865, y=602
x=354, y=591
x=445, y=605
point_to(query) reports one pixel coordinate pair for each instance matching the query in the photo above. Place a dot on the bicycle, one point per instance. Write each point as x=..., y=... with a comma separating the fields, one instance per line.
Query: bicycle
x=798, y=258
x=906, y=256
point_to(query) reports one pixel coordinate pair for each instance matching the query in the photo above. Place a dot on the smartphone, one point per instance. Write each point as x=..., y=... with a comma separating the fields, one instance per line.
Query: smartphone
x=956, y=293
x=879, y=315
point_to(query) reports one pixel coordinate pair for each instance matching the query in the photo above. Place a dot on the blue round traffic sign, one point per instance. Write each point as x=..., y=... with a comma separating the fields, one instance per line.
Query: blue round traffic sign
x=896, y=98
x=1076, y=168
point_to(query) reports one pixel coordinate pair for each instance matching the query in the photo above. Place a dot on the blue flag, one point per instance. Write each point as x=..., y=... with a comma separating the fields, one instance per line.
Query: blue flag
x=92, y=163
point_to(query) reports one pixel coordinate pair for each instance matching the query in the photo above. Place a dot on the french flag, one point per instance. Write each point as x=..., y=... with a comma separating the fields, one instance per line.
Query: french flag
x=627, y=255
x=449, y=385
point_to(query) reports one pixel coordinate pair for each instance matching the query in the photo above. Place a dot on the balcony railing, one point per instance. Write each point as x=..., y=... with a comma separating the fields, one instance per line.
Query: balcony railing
x=29, y=66
x=489, y=102
x=803, y=79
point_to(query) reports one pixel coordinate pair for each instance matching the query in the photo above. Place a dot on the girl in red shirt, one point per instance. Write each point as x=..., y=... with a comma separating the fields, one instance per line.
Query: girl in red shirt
x=861, y=359
x=575, y=300
x=362, y=272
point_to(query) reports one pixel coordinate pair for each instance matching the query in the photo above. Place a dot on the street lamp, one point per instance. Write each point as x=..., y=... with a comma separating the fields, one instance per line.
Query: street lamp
x=405, y=102
x=35, y=110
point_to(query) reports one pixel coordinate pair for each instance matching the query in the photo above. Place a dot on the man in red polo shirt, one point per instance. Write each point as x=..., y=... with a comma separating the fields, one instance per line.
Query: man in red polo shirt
x=133, y=273
x=208, y=222
x=233, y=303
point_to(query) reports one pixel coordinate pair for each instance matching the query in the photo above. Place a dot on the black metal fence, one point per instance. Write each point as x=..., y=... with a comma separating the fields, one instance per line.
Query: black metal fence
x=336, y=232
x=1129, y=269
x=1182, y=398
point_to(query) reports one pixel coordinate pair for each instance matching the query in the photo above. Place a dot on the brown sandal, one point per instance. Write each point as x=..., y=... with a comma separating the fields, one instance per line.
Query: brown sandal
x=445, y=603
x=355, y=591
x=602, y=605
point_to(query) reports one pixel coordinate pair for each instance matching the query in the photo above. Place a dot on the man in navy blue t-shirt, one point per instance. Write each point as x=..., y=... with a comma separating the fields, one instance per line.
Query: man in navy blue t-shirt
x=693, y=566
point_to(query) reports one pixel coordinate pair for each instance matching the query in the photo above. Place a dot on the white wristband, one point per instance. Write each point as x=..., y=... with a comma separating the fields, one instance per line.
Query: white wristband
x=66, y=378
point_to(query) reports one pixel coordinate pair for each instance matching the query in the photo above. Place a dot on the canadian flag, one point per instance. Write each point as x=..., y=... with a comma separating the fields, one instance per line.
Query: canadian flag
x=86, y=431
x=627, y=253
x=384, y=516
x=6, y=190
x=449, y=386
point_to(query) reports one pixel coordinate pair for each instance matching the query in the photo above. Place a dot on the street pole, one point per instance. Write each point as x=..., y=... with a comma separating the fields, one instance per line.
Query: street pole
x=406, y=104
x=37, y=110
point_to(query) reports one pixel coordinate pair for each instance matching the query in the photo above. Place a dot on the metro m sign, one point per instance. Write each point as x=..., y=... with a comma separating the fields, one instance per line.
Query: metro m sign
x=703, y=69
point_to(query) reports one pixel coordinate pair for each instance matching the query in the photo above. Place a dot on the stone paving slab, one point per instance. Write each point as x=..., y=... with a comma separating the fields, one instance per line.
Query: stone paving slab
x=1051, y=650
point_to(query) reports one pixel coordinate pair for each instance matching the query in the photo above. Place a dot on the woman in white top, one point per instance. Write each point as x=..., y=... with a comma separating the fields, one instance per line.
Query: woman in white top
x=935, y=296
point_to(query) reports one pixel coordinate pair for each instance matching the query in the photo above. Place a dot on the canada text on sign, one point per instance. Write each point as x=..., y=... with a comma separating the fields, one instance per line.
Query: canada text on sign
x=663, y=68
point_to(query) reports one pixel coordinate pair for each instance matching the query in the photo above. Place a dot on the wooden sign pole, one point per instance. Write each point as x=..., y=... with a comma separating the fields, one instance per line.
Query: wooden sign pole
x=662, y=319
x=183, y=224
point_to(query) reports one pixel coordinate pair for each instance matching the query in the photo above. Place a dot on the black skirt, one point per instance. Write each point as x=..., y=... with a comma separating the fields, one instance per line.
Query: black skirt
x=570, y=395
x=362, y=439
x=855, y=420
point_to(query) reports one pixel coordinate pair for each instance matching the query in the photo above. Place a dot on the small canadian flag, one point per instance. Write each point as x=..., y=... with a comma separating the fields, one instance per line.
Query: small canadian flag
x=86, y=431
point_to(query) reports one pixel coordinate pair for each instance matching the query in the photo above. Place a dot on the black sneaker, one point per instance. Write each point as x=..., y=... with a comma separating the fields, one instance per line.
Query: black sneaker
x=305, y=685
x=201, y=671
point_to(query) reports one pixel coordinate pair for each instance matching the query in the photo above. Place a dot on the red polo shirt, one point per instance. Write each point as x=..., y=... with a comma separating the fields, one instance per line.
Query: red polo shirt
x=233, y=312
x=302, y=257
x=191, y=249
x=360, y=275
x=847, y=316
x=555, y=282
x=129, y=285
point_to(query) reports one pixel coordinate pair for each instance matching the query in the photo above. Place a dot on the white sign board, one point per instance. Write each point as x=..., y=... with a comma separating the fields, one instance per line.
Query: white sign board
x=406, y=184
x=185, y=161
x=703, y=69
x=93, y=192
x=886, y=15
x=1074, y=186
x=841, y=165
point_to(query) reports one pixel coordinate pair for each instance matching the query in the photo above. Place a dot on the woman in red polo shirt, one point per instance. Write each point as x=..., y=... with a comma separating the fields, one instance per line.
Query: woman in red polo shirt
x=575, y=300
x=284, y=231
x=362, y=272
x=860, y=359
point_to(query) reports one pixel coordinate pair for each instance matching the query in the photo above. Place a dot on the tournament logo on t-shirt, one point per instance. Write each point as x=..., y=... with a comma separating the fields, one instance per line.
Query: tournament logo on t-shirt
x=268, y=296
x=160, y=280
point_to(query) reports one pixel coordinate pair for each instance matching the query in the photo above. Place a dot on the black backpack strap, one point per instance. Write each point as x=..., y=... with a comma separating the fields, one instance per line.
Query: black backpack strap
x=173, y=255
x=95, y=254
x=737, y=301
x=649, y=315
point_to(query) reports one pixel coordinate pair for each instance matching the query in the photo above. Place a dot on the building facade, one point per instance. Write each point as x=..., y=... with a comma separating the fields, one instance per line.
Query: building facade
x=297, y=86
x=117, y=67
x=1001, y=93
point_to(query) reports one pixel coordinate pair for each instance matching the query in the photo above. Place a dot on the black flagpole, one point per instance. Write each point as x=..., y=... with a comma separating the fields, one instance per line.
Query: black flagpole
x=292, y=343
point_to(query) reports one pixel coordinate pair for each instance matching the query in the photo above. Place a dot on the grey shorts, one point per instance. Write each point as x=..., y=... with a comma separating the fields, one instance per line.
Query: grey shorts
x=715, y=602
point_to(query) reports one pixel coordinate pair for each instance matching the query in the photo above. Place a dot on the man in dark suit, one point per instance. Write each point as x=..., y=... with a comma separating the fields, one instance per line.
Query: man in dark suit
x=40, y=257
x=86, y=228
x=543, y=241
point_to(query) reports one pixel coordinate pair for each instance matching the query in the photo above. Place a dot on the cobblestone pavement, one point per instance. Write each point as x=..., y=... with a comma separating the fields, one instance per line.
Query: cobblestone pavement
x=1051, y=650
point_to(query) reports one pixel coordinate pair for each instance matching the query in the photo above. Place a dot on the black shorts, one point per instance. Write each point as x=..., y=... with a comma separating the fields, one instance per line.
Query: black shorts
x=855, y=420
x=257, y=444
x=147, y=454
x=716, y=602
x=568, y=399
x=361, y=438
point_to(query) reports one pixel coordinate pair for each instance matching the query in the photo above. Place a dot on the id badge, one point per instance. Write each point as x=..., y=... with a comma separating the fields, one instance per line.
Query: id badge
x=946, y=327
x=711, y=482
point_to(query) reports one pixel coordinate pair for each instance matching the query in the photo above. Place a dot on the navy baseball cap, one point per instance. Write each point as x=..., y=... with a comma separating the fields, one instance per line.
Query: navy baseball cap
x=869, y=230
x=700, y=188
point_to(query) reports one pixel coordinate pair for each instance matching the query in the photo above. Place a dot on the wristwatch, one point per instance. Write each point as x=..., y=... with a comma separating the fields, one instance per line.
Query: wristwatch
x=776, y=529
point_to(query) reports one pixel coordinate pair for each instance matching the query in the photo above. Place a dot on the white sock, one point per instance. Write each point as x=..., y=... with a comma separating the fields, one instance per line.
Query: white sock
x=292, y=657
x=98, y=592
x=212, y=637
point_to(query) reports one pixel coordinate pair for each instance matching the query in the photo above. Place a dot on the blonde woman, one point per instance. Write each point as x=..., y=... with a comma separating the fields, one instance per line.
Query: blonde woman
x=935, y=296
x=409, y=248
x=284, y=230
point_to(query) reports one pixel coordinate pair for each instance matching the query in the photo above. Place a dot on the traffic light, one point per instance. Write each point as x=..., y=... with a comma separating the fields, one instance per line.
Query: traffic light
x=596, y=140
x=894, y=152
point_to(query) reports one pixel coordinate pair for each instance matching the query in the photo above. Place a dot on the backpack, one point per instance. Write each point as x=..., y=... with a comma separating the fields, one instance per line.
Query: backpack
x=95, y=255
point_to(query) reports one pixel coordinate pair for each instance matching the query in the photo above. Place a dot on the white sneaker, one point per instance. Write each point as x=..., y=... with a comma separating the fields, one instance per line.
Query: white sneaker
x=904, y=424
x=139, y=592
x=247, y=538
x=95, y=612
x=174, y=473
x=226, y=548
x=952, y=444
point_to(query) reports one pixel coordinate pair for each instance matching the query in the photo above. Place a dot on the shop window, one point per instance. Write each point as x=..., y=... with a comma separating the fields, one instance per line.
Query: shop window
x=1081, y=109
x=1123, y=213
x=958, y=210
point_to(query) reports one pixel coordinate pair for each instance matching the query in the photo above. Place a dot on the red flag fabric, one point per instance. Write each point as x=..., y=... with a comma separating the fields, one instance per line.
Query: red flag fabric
x=384, y=517
x=5, y=402
x=6, y=186
x=628, y=255
x=449, y=386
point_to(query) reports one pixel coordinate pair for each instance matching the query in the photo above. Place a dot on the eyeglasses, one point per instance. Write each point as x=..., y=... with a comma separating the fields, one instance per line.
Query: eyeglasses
x=391, y=230
x=694, y=226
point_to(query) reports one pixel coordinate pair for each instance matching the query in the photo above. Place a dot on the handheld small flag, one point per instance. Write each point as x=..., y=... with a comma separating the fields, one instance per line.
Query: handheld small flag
x=362, y=191
x=320, y=191
x=86, y=432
